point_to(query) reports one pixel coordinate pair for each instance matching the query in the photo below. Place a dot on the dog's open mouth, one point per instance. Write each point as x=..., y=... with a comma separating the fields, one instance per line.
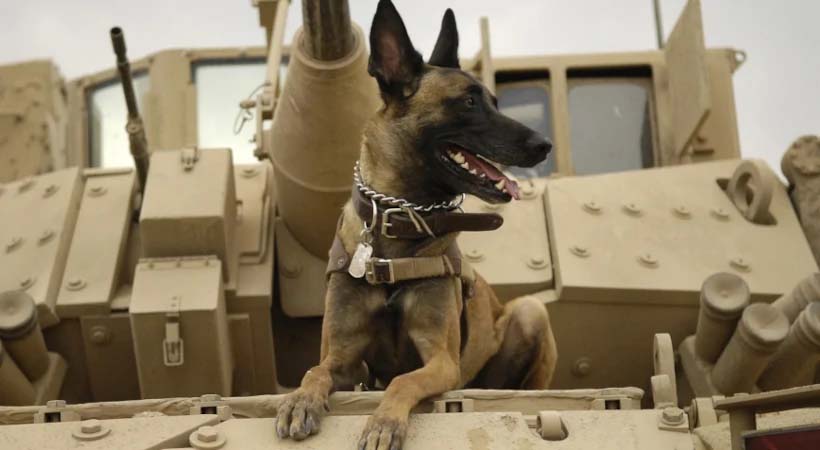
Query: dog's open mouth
x=483, y=171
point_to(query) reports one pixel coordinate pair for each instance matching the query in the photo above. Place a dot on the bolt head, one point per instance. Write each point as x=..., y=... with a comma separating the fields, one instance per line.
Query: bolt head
x=582, y=367
x=50, y=190
x=100, y=335
x=27, y=282
x=75, y=284
x=673, y=415
x=474, y=254
x=90, y=426
x=207, y=434
x=13, y=243
x=592, y=207
x=579, y=250
x=249, y=172
x=96, y=191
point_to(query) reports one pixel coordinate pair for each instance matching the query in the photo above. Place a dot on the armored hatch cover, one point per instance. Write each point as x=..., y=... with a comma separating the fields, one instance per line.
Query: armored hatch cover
x=655, y=235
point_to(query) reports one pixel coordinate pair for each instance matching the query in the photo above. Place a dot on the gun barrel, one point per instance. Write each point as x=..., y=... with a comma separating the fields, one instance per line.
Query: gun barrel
x=135, y=129
x=124, y=68
x=328, y=33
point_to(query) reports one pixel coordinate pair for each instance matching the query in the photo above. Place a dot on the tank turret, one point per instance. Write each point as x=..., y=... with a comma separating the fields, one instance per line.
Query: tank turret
x=316, y=133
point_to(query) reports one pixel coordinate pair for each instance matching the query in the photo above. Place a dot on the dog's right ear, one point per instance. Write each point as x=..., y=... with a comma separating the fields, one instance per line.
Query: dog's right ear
x=395, y=64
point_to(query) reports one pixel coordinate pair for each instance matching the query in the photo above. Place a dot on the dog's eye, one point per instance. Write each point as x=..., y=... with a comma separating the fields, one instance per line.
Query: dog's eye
x=469, y=101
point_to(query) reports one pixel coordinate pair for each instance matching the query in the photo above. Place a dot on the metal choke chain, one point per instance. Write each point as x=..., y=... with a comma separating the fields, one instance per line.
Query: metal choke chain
x=400, y=202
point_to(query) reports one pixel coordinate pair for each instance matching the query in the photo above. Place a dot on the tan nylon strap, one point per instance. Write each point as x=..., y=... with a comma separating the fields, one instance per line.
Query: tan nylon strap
x=402, y=269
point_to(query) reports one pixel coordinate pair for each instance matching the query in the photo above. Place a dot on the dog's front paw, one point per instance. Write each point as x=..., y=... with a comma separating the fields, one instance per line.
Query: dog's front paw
x=383, y=432
x=299, y=414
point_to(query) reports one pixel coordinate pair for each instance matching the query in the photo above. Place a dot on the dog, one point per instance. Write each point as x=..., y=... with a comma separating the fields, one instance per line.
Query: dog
x=438, y=135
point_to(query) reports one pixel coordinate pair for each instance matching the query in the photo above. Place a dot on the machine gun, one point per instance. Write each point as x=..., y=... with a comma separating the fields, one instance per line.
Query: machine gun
x=134, y=127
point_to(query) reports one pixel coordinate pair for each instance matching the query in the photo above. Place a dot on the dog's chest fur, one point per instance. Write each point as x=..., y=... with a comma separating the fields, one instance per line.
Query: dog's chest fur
x=392, y=352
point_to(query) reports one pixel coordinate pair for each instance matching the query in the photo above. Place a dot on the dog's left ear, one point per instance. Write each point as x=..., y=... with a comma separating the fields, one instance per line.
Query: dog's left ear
x=445, y=53
x=395, y=64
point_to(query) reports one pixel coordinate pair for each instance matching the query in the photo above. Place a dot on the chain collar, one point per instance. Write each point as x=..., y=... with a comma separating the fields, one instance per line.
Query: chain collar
x=397, y=202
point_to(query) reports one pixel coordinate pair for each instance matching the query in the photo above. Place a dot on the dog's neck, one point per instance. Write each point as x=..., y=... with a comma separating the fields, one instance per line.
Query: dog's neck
x=387, y=168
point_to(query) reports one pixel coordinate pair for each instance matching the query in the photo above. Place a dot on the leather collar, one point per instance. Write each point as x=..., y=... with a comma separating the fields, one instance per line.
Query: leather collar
x=396, y=223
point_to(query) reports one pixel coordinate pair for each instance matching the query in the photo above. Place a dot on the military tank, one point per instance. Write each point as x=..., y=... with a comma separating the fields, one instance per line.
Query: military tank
x=168, y=298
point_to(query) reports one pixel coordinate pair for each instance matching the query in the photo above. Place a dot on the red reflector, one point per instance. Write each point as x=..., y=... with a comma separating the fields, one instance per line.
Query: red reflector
x=796, y=438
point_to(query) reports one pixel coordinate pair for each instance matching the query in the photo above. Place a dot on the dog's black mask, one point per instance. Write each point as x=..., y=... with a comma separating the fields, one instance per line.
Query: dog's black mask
x=450, y=117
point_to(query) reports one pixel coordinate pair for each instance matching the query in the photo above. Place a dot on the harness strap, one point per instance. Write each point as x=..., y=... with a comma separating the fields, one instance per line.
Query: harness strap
x=389, y=271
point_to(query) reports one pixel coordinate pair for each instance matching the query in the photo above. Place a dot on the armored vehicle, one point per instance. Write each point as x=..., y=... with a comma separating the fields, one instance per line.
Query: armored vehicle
x=165, y=228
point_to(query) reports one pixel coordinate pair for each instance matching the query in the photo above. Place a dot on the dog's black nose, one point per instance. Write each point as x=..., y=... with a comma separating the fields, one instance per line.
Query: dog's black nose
x=538, y=144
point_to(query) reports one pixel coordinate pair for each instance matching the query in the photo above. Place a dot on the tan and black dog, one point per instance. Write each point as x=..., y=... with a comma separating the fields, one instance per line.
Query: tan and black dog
x=438, y=135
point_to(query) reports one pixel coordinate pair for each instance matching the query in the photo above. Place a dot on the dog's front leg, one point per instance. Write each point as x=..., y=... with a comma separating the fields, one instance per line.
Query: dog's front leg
x=431, y=311
x=346, y=333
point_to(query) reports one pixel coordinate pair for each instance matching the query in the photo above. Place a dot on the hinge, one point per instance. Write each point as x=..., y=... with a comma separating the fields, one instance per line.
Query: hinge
x=173, y=347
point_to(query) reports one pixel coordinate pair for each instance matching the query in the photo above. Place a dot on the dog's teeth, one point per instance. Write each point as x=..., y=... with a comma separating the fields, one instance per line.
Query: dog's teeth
x=458, y=157
x=504, y=190
x=473, y=172
x=482, y=175
x=499, y=185
x=465, y=166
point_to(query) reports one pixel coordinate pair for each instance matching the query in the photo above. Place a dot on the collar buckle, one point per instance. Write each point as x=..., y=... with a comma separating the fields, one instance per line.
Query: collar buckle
x=385, y=227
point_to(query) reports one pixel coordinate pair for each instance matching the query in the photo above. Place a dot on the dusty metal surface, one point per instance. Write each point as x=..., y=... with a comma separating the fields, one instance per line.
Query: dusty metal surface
x=179, y=291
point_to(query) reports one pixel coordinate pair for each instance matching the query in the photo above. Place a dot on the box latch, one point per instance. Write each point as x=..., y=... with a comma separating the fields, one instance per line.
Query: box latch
x=173, y=348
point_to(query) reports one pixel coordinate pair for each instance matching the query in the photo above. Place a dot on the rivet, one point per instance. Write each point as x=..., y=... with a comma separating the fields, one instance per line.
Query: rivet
x=740, y=264
x=97, y=191
x=27, y=282
x=100, y=335
x=682, y=212
x=582, y=367
x=672, y=415
x=720, y=214
x=291, y=269
x=249, y=172
x=648, y=260
x=632, y=209
x=527, y=190
x=474, y=254
x=13, y=243
x=592, y=207
x=75, y=284
x=537, y=262
x=45, y=236
x=25, y=185
x=579, y=250
x=50, y=190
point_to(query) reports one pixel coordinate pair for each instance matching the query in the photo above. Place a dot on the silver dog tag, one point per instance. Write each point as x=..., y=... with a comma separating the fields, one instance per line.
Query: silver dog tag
x=357, y=264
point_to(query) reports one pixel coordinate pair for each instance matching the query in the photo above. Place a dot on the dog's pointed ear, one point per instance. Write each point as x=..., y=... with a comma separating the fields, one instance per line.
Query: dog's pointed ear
x=395, y=64
x=445, y=53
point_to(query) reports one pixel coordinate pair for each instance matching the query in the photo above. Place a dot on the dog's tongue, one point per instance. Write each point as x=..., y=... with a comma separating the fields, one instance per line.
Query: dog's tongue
x=492, y=173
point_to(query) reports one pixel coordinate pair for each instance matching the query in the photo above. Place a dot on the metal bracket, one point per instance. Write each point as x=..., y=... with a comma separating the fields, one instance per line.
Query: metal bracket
x=55, y=411
x=173, y=347
x=212, y=404
x=454, y=405
x=188, y=157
